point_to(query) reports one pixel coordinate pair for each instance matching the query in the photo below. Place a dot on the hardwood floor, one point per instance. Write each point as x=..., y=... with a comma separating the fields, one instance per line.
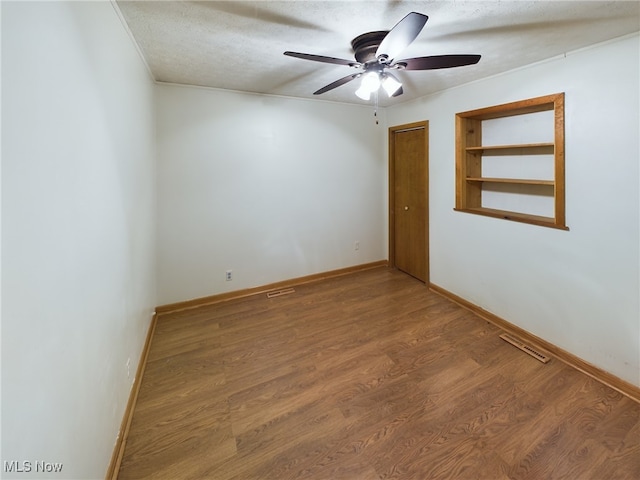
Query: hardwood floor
x=366, y=376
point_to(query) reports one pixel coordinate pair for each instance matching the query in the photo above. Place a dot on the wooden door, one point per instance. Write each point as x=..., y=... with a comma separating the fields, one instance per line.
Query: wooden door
x=408, y=199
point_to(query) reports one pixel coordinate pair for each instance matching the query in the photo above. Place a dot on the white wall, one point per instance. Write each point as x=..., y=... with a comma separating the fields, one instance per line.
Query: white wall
x=271, y=188
x=578, y=289
x=78, y=206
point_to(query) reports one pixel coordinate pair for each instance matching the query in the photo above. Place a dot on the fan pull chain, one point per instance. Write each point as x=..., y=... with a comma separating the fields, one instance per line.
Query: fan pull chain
x=375, y=111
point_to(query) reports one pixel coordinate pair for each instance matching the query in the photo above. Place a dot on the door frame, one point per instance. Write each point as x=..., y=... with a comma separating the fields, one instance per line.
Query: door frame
x=424, y=124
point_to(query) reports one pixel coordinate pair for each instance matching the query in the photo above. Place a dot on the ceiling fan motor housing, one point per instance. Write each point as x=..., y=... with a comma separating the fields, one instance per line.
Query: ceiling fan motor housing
x=365, y=46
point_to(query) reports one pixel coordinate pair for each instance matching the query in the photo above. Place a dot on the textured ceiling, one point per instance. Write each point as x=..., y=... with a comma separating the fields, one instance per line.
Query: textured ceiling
x=239, y=45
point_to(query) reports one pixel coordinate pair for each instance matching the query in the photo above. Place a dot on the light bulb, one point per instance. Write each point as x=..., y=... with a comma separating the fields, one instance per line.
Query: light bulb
x=390, y=84
x=363, y=93
x=371, y=81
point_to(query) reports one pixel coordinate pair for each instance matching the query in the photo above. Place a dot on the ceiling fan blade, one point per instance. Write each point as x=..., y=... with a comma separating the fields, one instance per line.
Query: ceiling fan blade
x=321, y=58
x=398, y=93
x=401, y=36
x=337, y=83
x=438, y=61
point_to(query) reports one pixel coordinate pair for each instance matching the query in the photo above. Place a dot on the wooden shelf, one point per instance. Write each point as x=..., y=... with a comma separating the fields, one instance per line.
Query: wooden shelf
x=521, y=149
x=514, y=216
x=518, y=181
x=472, y=188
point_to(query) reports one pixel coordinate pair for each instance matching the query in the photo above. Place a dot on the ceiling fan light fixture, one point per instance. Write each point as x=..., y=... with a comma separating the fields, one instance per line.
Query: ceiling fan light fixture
x=363, y=93
x=390, y=84
x=370, y=81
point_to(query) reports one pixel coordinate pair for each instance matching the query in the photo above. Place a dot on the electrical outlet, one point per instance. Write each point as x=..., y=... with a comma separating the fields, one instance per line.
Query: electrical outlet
x=356, y=246
x=228, y=275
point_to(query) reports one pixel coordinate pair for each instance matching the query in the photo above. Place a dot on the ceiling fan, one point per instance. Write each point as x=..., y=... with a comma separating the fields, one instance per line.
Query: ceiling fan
x=375, y=58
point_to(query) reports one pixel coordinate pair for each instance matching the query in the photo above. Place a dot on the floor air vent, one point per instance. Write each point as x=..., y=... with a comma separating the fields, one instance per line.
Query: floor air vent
x=538, y=355
x=278, y=293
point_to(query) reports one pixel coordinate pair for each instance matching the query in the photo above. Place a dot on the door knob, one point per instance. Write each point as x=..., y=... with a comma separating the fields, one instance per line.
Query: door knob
x=406, y=207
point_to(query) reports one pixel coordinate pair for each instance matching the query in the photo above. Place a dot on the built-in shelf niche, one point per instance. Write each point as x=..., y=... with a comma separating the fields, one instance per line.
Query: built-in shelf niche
x=510, y=161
